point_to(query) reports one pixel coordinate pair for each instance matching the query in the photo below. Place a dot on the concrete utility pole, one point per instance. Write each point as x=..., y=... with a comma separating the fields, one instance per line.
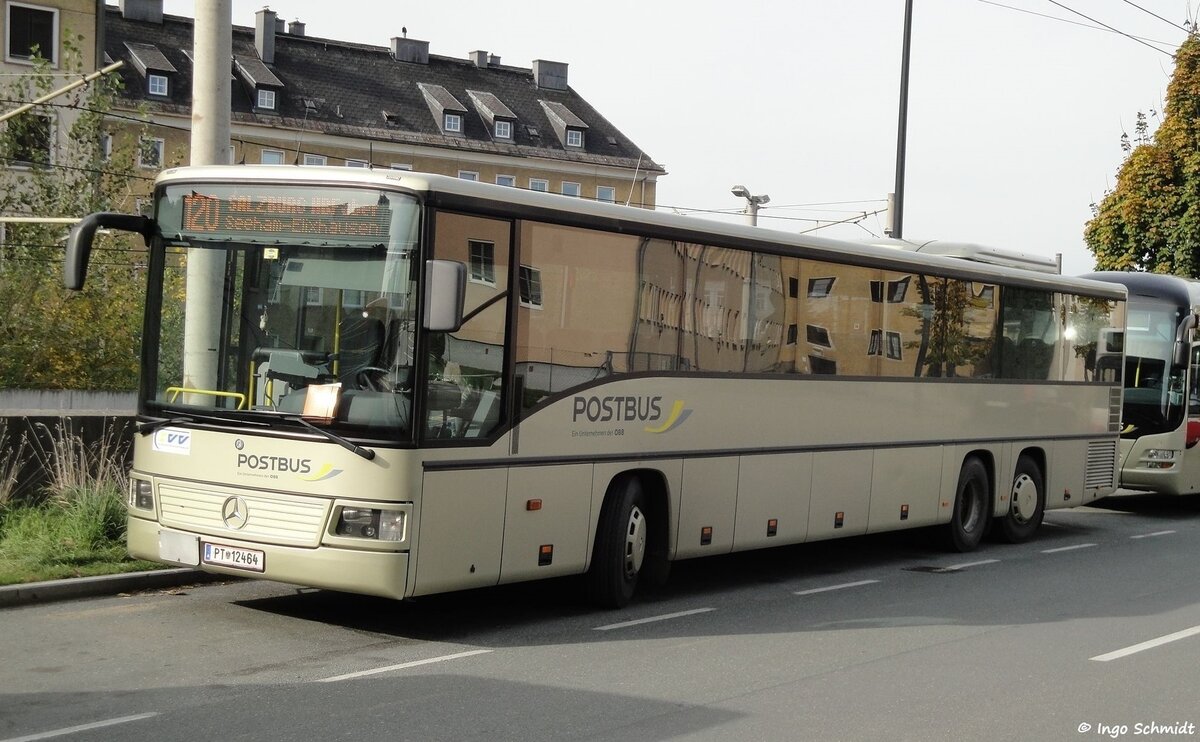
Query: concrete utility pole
x=896, y=202
x=213, y=50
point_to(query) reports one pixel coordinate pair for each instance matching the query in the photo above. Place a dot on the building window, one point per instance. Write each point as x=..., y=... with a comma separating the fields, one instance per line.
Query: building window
x=537, y=184
x=897, y=289
x=819, y=288
x=531, y=287
x=506, y=180
x=821, y=365
x=400, y=166
x=893, y=346
x=315, y=159
x=468, y=175
x=31, y=140
x=483, y=261
x=571, y=189
x=31, y=29
x=818, y=336
x=157, y=84
x=272, y=157
x=266, y=99
x=876, y=346
x=503, y=130
x=312, y=296
x=574, y=138
x=150, y=153
x=357, y=163
x=453, y=123
x=793, y=287
x=793, y=334
x=607, y=194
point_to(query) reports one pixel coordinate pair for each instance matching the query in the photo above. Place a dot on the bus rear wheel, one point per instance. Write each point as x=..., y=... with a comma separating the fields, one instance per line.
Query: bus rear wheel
x=620, y=551
x=1027, y=503
x=972, y=497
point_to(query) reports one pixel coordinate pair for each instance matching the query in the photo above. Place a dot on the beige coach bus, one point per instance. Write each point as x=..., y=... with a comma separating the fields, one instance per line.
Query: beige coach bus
x=400, y=384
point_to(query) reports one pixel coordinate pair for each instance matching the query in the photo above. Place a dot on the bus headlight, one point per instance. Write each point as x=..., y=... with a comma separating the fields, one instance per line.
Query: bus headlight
x=141, y=494
x=372, y=523
x=1159, y=458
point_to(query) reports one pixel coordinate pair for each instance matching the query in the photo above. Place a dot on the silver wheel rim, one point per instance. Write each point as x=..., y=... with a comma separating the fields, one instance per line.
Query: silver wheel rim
x=635, y=542
x=1024, y=498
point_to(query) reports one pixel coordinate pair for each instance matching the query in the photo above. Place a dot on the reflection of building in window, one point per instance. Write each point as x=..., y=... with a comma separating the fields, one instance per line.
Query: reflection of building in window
x=819, y=288
x=793, y=333
x=354, y=298
x=530, y=287
x=875, y=348
x=821, y=365
x=985, y=298
x=896, y=290
x=793, y=287
x=483, y=261
x=893, y=346
x=312, y=295
x=818, y=336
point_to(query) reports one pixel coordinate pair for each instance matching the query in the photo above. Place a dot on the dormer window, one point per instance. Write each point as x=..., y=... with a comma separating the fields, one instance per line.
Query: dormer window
x=453, y=123
x=157, y=85
x=266, y=99
x=503, y=129
x=567, y=126
x=574, y=138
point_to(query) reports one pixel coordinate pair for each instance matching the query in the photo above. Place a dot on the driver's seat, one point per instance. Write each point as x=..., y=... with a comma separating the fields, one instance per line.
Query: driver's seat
x=360, y=344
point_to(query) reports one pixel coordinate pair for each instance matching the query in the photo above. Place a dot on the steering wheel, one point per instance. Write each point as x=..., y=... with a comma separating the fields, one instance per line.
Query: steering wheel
x=372, y=378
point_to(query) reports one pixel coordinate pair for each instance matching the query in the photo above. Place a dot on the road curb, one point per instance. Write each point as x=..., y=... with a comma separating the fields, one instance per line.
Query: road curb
x=88, y=587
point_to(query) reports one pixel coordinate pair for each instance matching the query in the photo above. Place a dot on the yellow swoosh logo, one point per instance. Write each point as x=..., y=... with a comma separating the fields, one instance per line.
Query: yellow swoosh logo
x=676, y=411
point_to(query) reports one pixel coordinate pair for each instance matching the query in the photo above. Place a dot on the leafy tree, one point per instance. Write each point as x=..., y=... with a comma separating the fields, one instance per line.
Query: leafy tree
x=1151, y=220
x=52, y=338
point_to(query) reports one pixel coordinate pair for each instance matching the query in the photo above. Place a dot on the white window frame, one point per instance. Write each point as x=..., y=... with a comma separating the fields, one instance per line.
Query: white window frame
x=55, y=32
x=265, y=99
x=357, y=163
x=311, y=159
x=277, y=152
x=607, y=194
x=486, y=263
x=506, y=180
x=539, y=184
x=311, y=299
x=575, y=138
x=503, y=129
x=532, y=276
x=468, y=175
x=158, y=85
x=160, y=147
x=568, y=185
x=452, y=123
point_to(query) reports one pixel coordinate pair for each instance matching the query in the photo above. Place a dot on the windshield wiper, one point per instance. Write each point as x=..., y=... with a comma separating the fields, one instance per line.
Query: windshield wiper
x=193, y=418
x=350, y=446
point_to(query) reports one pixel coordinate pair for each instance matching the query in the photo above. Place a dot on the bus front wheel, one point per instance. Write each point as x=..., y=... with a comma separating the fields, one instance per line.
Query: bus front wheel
x=1027, y=503
x=971, y=501
x=621, y=538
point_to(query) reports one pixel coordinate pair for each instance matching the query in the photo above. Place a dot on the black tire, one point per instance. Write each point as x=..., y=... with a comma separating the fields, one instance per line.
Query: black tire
x=972, y=503
x=1026, y=503
x=620, y=551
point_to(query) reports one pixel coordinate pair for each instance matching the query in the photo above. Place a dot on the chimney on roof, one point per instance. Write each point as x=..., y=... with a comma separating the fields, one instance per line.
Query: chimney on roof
x=264, y=35
x=493, y=60
x=479, y=58
x=550, y=75
x=405, y=49
x=280, y=25
x=142, y=10
x=296, y=28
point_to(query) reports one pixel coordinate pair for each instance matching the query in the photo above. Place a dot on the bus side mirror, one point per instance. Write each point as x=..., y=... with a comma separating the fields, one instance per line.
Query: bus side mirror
x=1183, y=335
x=445, y=294
x=79, y=243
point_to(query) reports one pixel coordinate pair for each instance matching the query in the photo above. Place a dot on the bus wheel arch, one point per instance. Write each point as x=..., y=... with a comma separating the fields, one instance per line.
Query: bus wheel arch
x=1027, y=498
x=973, y=502
x=631, y=539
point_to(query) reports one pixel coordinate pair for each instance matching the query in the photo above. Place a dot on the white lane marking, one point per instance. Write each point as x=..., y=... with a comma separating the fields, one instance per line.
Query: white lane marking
x=651, y=619
x=955, y=567
x=1118, y=654
x=82, y=727
x=843, y=586
x=1067, y=548
x=1151, y=535
x=403, y=666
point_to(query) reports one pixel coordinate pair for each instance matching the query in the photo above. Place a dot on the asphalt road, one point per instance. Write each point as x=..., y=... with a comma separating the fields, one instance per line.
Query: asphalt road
x=1091, y=631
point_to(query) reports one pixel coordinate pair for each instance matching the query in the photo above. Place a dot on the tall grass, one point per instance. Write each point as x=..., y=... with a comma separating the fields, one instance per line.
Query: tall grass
x=14, y=455
x=76, y=469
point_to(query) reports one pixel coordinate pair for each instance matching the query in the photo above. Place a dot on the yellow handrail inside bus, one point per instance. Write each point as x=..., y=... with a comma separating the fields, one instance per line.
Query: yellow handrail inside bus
x=173, y=393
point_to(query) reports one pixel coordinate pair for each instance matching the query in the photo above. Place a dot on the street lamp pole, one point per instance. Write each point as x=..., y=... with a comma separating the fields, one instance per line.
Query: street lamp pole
x=752, y=202
x=897, y=220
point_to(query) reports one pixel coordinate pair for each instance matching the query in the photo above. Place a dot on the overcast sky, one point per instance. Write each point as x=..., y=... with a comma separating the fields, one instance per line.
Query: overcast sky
x=1016, y=107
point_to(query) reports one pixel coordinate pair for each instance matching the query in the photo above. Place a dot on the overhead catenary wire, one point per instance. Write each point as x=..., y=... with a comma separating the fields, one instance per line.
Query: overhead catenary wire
x=1110, y=28
x=1156, y=15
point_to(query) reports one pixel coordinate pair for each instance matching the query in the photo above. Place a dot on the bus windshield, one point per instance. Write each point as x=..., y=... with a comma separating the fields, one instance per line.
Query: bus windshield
x=1154, y=398
x=286, y=300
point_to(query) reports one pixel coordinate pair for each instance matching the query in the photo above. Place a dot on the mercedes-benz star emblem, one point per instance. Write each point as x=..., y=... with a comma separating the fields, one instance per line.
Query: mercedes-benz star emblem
x=234, y=512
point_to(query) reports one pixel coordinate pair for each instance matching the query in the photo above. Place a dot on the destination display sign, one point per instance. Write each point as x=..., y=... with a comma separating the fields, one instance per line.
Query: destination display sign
x=295, y=215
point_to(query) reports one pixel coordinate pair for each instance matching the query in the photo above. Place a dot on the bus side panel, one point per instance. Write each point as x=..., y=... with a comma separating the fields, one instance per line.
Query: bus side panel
x=461, y=530
x=708, y=500
x=772, y=487
x=905, y=486
x=841, y=494
x=1065, y=480
x=560, y=521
